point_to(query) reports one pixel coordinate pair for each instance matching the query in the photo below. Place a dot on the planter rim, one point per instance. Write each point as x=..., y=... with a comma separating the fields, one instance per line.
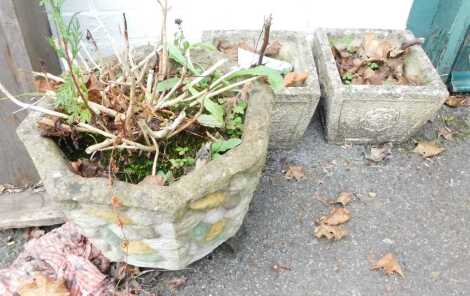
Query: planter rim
x=305, y=56
x=250, y=152
x=424, y=91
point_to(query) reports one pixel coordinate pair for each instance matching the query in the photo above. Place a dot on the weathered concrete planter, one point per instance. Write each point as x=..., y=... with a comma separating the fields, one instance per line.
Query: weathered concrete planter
x=165, y=226
x=293, y=106
x=374, y=113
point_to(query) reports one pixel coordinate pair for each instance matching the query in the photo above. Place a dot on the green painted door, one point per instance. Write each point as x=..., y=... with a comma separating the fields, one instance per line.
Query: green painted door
x=445, y=26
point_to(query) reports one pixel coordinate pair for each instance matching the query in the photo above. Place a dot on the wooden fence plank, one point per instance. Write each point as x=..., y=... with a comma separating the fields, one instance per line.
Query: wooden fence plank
x=23, y=37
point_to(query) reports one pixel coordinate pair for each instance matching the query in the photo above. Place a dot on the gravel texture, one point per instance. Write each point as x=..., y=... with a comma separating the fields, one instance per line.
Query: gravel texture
x=420, y=211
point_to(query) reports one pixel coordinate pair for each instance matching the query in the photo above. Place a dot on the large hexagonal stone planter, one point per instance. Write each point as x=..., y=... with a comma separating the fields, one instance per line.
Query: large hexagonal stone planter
x=162, y=226
x=293, y=107
x=375, y=113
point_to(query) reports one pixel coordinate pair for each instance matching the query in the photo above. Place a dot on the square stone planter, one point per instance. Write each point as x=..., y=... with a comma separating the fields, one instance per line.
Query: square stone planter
x=293, y=106
x=163, y=226
x=374, y=113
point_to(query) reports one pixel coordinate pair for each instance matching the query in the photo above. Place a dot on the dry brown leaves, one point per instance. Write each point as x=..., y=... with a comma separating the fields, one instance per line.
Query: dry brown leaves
x=88, y=168
x=43, y=286
x=43, y=85
x=375, y=61
x=336, y=217
x=295, y=79
x=295, y=172
x=231, y=49
x=331, y=226
x=390, y=265
x=95, y=87
x=458, y=101
x=330, y=232
x=428, y=149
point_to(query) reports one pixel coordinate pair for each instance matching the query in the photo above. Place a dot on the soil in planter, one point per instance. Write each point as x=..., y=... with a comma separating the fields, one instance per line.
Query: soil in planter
x=291, y=79
x=375, y=61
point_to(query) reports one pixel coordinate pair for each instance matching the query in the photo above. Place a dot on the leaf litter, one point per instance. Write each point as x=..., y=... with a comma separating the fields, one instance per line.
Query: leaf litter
x=295, y=172
x=375, y=60
x=291, y=79
x=331, y=226
x=428, y=149
x=389, y=264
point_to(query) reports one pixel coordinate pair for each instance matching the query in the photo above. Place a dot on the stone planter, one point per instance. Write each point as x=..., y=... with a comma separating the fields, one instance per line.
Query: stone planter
x=293, y=107
x=374, y=113
x=165, y=226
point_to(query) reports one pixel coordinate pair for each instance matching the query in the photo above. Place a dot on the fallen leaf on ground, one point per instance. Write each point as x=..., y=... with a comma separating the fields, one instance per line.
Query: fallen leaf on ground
x=295, y=172
x=330, y=232
x=344, y=198
x=280, y=268
x=177, y=283
x=457, y=101
x=378, y=153
x=428, y=149
x=390, y=265
x=43, y=286
x=446, y=133
x=337, y=216
x=295, y=79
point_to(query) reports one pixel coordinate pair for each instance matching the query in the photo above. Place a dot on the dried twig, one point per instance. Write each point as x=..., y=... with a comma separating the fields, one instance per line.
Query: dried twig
x=266, y=29
x=163, y=67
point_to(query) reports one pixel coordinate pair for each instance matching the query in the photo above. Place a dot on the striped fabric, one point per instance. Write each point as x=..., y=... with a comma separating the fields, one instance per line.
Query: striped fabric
x=62, y=253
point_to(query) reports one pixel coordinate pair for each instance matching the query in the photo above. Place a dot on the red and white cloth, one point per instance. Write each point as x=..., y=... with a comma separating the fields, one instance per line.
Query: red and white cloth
x=62, y=253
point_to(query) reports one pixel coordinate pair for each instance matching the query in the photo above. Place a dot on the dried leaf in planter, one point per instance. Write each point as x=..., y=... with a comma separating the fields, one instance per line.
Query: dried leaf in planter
x=376, y=48
x=295, y=172
x=344, y=198
x=177, y=282
x=295, y=79
x=88, y=168
x=337, y=216
x=428, y=149
x=43, y=85
x=43, y=286
x=390, y=265
x=330, y=232
x=273, y=49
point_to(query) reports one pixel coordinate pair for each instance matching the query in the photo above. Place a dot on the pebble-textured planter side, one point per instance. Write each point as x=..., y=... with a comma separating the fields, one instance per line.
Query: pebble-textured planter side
x=374, y=113
x=293, y=107
x=164, y=226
